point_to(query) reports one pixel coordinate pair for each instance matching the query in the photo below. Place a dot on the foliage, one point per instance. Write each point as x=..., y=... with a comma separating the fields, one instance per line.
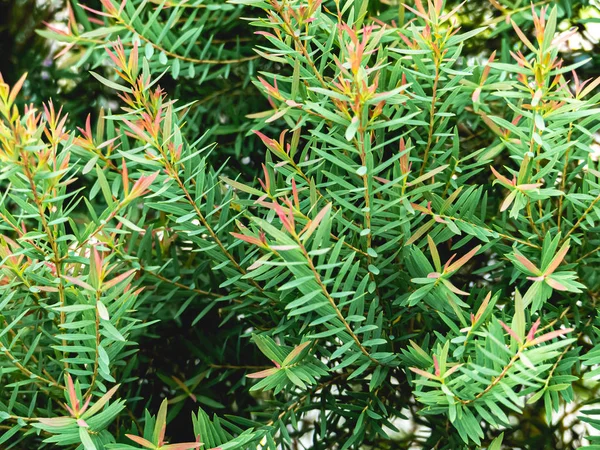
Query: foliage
x=414, y=266
x=206, y=51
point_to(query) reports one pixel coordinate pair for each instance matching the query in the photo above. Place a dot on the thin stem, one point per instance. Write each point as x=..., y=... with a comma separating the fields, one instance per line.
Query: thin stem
x=437, y=62
x=32, y=357
x=183, y=58
x=502, y=235
x=531, y=222
x=179, y=285
x=234, y=367
x=582, y=217
x=563, y=179
x=97, y=355
x=290, y=32
x=597, y=249
x=51, y=240
x=100, y=227
x=29, y=374
x=494, y=382
x=338, y=313
x=20, y=233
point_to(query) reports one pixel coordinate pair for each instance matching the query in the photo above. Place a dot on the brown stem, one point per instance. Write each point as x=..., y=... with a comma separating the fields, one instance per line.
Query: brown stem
x=29, y=374
x=494, y=382
x=183, y=58
x=50, y=236
x=582, y=217
x=338, y=313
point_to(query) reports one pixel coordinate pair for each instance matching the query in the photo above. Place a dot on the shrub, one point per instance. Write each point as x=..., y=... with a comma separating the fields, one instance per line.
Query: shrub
x=413, y=268
x=206, y=51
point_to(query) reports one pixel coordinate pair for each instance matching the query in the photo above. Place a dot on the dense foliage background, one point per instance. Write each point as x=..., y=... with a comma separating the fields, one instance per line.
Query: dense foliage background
x=355, y=224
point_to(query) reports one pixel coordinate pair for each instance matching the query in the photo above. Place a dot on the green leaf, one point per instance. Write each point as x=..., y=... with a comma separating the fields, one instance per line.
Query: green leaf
x=86, y=440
